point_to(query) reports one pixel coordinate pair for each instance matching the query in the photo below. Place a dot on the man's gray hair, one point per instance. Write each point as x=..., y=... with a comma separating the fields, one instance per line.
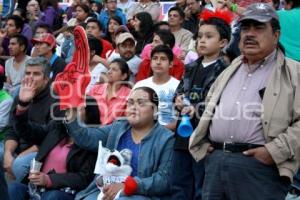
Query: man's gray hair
x=40, y=61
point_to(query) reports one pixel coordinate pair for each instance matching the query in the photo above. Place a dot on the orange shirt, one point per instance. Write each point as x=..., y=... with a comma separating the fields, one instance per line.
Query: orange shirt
x=113, y=108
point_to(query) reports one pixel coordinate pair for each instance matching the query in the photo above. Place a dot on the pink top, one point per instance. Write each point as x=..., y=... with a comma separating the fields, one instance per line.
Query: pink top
x=113, y=108
x=57, y=158
x=146, y=53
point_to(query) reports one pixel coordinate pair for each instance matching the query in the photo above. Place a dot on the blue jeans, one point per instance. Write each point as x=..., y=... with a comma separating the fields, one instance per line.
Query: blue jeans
x=235, y=176
x=187, y=176
x=296, y=182
x=21, y=165
x=19, y=191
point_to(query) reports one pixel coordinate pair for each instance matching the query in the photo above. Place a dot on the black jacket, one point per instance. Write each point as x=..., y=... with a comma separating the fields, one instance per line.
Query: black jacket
x=39, y=111
x=195, y=85
x=80, y=163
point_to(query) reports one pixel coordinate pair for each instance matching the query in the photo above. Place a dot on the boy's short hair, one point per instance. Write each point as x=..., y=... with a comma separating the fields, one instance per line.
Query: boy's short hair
x=19, y=23
x=222, y=27
x=163, y=49
x=93, y=20
x=22, y=41
x=166, y=37
x=43, y=26
x=177, y=9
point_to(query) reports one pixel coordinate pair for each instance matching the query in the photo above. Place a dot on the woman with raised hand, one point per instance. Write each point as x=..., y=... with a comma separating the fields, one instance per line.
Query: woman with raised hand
x=150, y=143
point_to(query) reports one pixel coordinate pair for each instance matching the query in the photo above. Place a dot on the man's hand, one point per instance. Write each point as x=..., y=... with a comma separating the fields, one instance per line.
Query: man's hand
x=27, y=90
x=71, y=84
x=38, y=178
x=179, y=102
x=261, y=154
x=7, y=164
x=188, y=110
x=110, y=191
x=210, y=149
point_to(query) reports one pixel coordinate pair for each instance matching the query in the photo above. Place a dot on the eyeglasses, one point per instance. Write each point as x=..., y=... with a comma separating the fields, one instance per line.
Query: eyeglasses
x=139, y=102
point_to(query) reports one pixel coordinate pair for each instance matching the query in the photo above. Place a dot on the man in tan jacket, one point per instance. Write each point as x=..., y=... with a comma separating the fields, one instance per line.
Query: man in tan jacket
x=250, y=129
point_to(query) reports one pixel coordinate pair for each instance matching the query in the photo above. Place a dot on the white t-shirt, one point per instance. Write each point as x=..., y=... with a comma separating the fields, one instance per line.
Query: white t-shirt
x=165, y=92
x=95, y=75
x=14, y=75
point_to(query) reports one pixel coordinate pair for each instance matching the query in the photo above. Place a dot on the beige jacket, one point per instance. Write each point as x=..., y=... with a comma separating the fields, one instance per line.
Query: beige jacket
x=280, y=118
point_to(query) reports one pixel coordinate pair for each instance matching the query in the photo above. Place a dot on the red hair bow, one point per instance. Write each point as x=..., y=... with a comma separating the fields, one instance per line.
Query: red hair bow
x=224, y=15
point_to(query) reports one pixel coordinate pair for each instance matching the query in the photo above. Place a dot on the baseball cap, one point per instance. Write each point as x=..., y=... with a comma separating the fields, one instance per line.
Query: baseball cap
x=47, y=38
x=261, y=12
x=123, y=37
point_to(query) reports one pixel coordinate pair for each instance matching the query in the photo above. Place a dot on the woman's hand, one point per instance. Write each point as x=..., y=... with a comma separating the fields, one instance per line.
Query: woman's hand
x=110, y=191
x=38, y=178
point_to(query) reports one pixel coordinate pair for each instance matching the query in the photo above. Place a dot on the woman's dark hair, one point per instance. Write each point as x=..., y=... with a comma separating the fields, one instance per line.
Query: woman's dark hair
x=116, y=18
x=109, y=36
x=163, y=49
x=152, y=94
x=222, y=27
x=157, y=26
x=99, y=5
x=84, y=7
x=95, y=45
x=46, y=3
x=146, y=25
x=166, y=37
x=92, y=112
x=123, y=67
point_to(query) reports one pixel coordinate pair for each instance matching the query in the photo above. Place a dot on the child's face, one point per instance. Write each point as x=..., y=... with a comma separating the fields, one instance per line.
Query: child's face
x=156, y=41
x=160, y=63
x=67, y=34
x=209, y=42
x=94, y=7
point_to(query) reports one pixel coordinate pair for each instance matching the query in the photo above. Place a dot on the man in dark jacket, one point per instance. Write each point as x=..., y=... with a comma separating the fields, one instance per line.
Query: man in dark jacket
x=39, y=111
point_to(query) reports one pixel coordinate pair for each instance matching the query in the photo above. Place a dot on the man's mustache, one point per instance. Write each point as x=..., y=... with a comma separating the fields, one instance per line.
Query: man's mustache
x=250, y=40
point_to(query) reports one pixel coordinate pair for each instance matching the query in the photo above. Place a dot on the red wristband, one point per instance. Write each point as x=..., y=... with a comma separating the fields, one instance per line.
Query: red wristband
x=130, y=186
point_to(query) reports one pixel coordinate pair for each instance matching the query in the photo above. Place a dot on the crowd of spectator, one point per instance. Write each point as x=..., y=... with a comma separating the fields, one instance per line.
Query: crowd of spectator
x=231, y=67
